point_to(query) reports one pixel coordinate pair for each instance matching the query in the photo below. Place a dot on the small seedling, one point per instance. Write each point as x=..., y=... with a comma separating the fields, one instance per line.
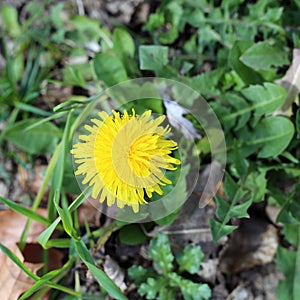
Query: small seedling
x=164, y=280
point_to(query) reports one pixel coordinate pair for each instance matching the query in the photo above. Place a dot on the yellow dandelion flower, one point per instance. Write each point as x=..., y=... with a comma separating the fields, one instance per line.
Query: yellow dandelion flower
x=124, y=157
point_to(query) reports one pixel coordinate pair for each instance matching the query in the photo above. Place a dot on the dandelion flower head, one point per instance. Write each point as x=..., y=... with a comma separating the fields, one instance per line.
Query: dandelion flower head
x=124, y=157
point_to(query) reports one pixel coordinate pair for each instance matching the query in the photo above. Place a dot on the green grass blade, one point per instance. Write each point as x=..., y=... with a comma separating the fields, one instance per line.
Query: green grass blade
x=24, y=211
x=32, y=109
x=101, y=277
x=44, y=237
x=46, y=234
x=47, y=279
x=18, y=262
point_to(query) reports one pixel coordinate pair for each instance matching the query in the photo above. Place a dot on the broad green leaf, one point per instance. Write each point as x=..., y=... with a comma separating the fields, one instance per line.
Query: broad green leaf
x=153, y=57
x=160, y=252
x=123, y=44
x=273, y=135
x=262, y=56
x=38, y=140
x=109, y=69
x=266, y=99
x=247, y=74
x=289, y=264
x=190, y=259
x=132, y=234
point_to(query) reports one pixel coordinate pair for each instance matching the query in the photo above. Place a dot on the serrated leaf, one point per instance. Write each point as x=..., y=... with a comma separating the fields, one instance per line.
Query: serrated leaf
x=160, y=252
x=140, y=274
x=152, y=287
x=190, y=259
x=153, y=57
x=206, y=83
x=189, y=289
x=256, y=182
x=37, y=140
x=219, y=230
x=262, y=56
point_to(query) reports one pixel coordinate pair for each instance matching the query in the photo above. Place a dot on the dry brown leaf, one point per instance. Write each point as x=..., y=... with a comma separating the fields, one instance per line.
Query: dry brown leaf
x=13, y=281
x=90, y=212
x=254, y=243
x=291, y=82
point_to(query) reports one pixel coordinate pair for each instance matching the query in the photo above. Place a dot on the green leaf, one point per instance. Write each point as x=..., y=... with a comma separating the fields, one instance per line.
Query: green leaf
x=189, y=289
x=298, y=123
x=132, y=235
x=266, y=99
x=246, y=73
x=229, y=208
x=219, y=230
x=207, y=83
x=273, y=135
x=240, y=105
x=190, y=259
x=17, y=261
x=109, y=69
x=160, y=252
x=256, y=182
x=153, y=287
x=46, y=234
x=10, y=19
x=289, y=264
x=66, y=218
x=101, y=277
x=38, y=140
x=123, y=44
x=24, y=211
x=262, y=56
x=153, y=57
x=140, y=274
